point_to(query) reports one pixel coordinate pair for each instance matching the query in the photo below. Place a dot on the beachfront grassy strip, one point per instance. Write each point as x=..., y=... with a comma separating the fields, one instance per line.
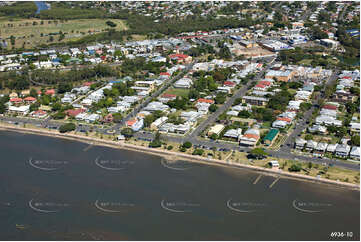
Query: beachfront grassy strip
x=332, y=173
x=36, y=31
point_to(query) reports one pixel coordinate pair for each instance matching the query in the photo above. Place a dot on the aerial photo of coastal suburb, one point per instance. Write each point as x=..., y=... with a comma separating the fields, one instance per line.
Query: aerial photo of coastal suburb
x=180, y=120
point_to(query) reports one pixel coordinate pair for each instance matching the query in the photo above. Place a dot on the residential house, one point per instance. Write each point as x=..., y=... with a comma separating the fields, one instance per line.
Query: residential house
x=258, y=101
x=317, y=129
x=271, y=136
x=355, y=127
x=331, y=148
x=355, y=153
x=135, y=124
x=156, y=106
x=74, y=112
x=167, y=97
x=38, y=114
x=233, y=133
x=320, y=149
x=300, y=143
x=181, y=58
x=284, y=76
x=216, y=129
x=311, y=145
x=250, y=137
x=158, y=122
x=22, y=110
x=183, y=83
x=342, y=150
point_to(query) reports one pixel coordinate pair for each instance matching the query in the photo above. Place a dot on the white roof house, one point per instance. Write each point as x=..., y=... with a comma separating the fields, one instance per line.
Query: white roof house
x=355, y=152
x=331, y=148
x=183, y=83
x=279, y=124
x=21, y=110
x=300, y=143
x=233, y=133
x=216, y=129
x=311, y=145
x=158, y=122
x=232, y=113
x=321, y=147
x=343, y=150
x=191, y=116
x=156, y=106
x=317, y=128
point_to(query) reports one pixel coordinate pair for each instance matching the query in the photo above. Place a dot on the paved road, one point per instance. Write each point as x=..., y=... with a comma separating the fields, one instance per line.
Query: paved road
x=302, y=124
x=154, y=95
x=202, y=143
x=226, y=146
x=213, y=117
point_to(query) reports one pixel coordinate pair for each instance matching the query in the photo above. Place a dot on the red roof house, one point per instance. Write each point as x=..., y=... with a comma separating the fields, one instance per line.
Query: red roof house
x=229, y=84
x=169, y=96
x=330, y=107
x=108, y=118
x=202, y=100
x=30, y=99
x=74, y=112
x=130, y=123
x=181, y=58
x=39, y=114
x=88, y=84
x=288, y=120
x=265, y=83
x=50, y=92
x=16, y=100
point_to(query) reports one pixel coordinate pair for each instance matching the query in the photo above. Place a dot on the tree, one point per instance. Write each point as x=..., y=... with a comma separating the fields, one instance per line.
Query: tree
x=187, y=145
x=305, y=106
x=295, y=168
x=220, y=98
x=244, y=114
x=111, y=24
x=34, y=106
x=212, y=108
x=127, y=132
x=198, y=152
x=355, y=140
x=12, y=40
x=64, y=87
x=258, y=153
x=56, y=106
x=67, y=127
x=59, y=115
x=214, y=136
x=225, y=53
x=148, y=120
x=156, y=142
x=308, y=137
x=33, y=92
x=117, y=117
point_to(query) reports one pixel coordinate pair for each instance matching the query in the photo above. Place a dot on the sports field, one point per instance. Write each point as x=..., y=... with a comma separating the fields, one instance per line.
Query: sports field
x=33, y=32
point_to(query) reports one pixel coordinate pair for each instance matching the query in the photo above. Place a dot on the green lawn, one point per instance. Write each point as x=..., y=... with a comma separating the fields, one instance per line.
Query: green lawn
x=178, y=91
x=30, y=30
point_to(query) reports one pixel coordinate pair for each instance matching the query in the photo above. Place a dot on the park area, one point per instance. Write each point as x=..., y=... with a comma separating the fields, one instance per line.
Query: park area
x=34, y=32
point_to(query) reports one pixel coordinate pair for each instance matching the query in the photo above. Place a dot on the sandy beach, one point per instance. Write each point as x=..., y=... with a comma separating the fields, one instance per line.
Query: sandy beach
x=171, y=155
